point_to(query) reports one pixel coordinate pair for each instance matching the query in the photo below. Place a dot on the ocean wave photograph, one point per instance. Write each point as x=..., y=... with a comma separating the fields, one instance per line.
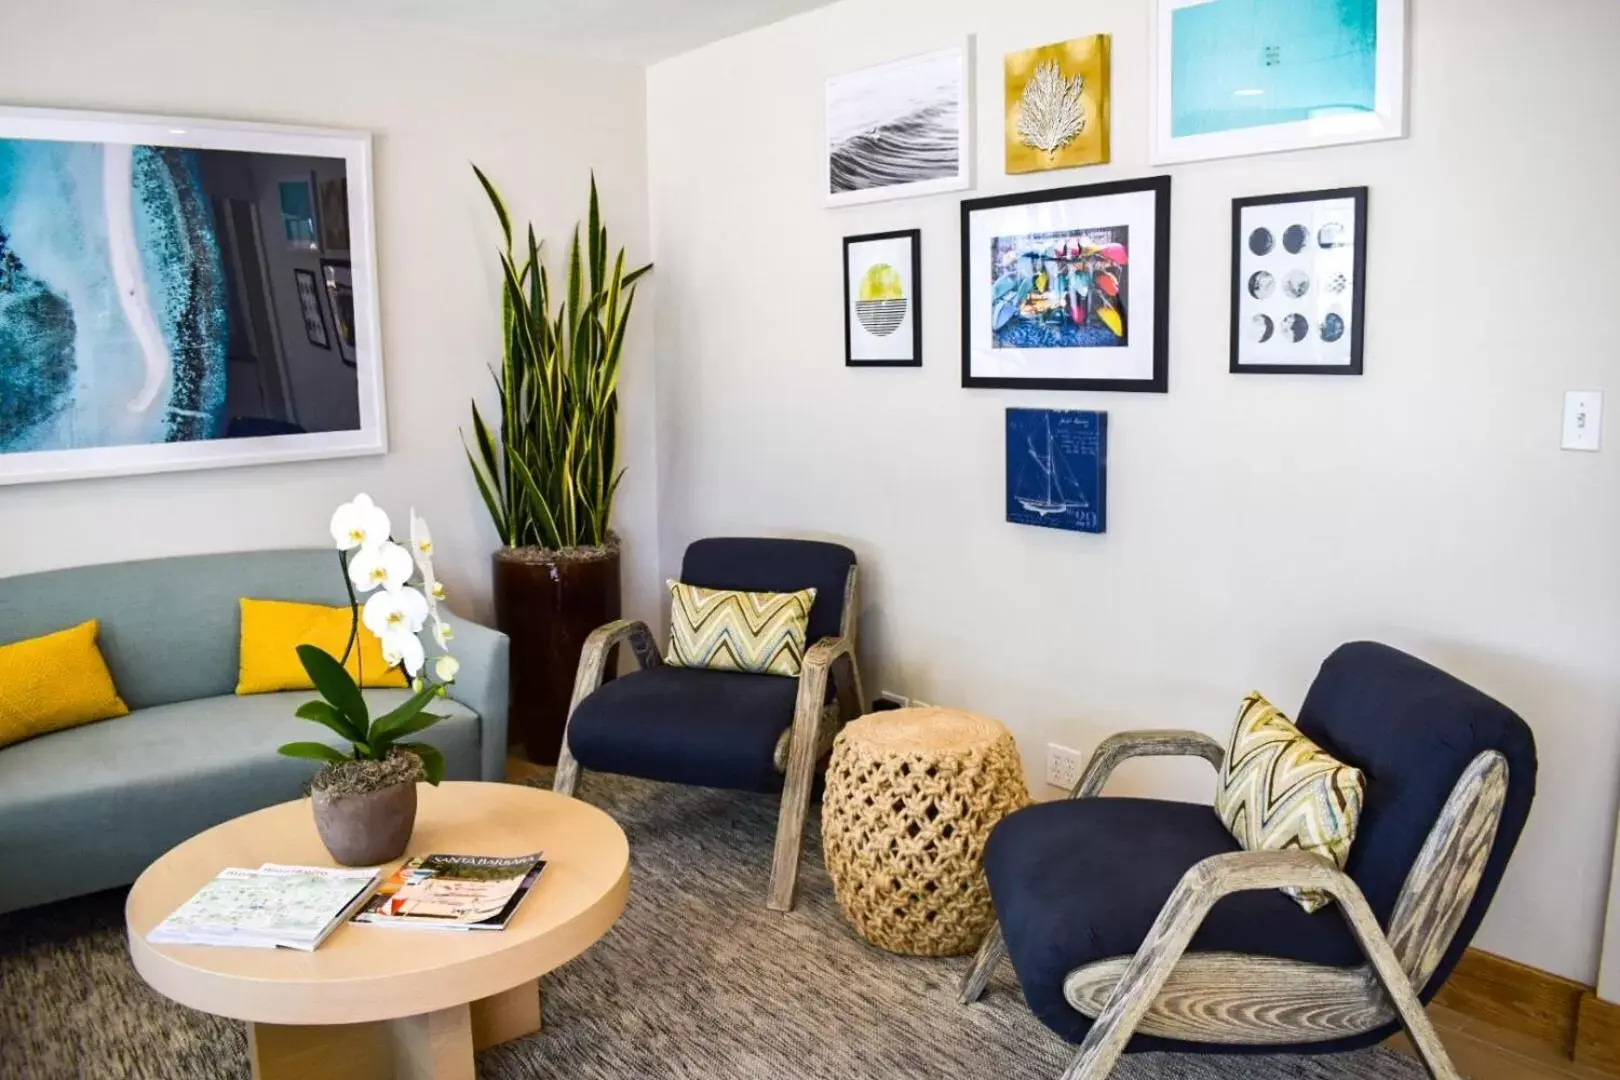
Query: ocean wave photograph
x=897, y=125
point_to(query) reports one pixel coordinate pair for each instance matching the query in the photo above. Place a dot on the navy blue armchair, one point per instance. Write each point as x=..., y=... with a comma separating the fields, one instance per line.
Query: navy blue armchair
x=1138, y=924
x=727, y=729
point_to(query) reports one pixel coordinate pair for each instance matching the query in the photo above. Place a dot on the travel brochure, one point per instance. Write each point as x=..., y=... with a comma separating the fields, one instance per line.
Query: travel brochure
x=457, y=892
x=298, y=907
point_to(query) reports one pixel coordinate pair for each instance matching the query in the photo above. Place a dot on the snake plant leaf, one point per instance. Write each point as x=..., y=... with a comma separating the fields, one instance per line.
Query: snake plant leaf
x=313, y=751
x=432, y=760
x=498, y=203
x=335, y=684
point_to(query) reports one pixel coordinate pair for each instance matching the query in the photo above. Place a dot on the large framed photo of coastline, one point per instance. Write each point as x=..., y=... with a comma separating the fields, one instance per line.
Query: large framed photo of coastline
x=900, y=129
x=1068, y=289
x=151, y=312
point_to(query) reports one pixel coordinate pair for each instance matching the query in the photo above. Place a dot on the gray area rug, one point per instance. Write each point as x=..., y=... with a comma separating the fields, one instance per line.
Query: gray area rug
x=698, y=980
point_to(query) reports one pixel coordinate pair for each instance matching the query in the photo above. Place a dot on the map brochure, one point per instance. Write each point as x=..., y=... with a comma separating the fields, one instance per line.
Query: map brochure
x=275, y=906
x=457, y=892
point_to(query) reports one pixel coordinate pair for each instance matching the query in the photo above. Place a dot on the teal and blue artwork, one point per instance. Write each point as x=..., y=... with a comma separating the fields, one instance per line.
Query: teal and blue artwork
x=1251, y=63
x=1057, y=469
x=149, y=299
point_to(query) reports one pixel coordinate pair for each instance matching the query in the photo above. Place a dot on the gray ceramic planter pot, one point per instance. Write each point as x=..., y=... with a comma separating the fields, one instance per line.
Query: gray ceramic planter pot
x=365, y=830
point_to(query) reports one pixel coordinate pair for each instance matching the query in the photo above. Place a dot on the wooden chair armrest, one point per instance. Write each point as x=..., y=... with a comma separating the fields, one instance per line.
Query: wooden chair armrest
x=1116, y=749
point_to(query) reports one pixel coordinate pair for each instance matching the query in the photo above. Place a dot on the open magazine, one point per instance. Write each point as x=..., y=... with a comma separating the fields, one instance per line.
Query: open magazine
x=291, y=907
x=457, y=892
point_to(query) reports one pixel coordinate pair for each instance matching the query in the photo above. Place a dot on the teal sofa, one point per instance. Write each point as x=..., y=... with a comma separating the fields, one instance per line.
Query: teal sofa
x=90, y=807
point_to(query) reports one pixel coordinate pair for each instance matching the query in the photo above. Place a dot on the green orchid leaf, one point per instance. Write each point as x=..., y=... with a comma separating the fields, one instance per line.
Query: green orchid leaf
x=314, y=751
x=432, y=760
x=323, y=713
x=335, y=684
x=395, y=724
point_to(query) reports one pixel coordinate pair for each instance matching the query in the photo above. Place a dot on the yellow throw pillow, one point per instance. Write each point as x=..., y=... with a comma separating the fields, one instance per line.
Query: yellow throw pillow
x=54, y=682
x=272, y=630
x=1280, y=791
x=727, y=630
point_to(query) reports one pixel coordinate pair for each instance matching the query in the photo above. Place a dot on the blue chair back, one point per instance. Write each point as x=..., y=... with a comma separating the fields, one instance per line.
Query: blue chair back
x=760, y=565
x=1413, y=730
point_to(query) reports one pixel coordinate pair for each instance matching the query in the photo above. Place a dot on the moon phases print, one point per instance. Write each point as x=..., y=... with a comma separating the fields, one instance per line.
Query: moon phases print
x=1298, y=280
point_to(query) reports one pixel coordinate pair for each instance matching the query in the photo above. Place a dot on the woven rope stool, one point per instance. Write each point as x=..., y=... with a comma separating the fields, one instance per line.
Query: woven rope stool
x=911, y=796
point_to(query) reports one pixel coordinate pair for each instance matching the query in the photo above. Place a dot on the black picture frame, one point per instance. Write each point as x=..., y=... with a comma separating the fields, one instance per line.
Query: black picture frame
x=337, y=276
x=1358, y=285
x=311, y=310
x=1159, y=382
x=914, y=236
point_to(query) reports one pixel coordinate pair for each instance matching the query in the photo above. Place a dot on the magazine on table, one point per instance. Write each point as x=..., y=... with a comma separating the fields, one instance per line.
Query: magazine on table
x=455, y=892
x=275, y=906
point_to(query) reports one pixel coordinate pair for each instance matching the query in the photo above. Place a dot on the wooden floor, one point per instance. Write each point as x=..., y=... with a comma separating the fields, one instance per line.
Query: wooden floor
x=1482, y=1051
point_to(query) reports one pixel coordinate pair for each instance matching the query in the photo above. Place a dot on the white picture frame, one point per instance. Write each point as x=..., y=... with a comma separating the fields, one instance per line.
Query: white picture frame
x=903, y=97
x=1192, y=75
x=351, y=148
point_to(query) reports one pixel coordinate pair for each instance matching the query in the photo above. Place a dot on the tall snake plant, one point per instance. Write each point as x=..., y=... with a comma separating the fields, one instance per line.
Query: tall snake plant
x=547, y=475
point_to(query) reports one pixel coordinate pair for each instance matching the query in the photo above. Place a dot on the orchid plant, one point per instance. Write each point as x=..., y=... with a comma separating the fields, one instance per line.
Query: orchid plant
x=396, y=612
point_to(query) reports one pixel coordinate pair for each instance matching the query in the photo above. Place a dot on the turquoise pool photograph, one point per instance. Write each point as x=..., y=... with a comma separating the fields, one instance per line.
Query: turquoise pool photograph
x=1240, y=77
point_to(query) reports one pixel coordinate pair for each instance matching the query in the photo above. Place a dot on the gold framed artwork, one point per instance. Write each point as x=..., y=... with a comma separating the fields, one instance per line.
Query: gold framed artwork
x=1057, y=105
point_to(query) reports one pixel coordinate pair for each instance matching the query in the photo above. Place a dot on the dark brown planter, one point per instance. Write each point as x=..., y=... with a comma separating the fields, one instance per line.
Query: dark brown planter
x=365, y=830
x=548, y=602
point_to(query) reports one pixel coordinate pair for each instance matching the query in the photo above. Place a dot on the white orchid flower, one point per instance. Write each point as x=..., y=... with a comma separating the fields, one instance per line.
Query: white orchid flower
x=446, y=668
x=360, y=523
x=421, y=539
x=387, y=564
x=400, y=647
x=442, y=633
x=436, y=590
x=401, y=612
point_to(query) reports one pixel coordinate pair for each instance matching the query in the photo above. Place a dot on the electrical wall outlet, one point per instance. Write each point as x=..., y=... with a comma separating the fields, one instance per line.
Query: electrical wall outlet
x=1063, y=766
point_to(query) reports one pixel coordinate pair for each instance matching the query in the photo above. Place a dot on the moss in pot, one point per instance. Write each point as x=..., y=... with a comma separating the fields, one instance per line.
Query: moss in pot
x=365, y=797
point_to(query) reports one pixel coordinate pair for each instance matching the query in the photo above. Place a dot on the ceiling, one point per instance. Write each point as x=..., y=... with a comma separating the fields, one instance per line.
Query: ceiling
x=636, y=31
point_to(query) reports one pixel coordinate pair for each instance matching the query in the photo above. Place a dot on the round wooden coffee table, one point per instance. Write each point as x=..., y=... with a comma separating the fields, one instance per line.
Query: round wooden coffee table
x=377, y=1001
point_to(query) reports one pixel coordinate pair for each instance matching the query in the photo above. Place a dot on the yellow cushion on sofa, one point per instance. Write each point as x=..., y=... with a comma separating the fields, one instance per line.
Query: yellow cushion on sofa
x=272, y=630
x=54, y=682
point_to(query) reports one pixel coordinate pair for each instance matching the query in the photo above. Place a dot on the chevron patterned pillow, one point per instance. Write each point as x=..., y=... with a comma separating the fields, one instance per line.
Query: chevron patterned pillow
x=726, y=630
x=1280, y=791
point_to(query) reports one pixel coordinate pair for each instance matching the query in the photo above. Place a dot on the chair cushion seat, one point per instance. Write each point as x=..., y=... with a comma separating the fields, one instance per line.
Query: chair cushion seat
x=1081, y=880
x=686, y=726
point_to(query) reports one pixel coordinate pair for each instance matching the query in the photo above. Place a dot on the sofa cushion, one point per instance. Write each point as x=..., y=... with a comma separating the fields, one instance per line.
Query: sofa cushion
x=1081, y=880
x=761, y=633
x=272, y=630
x=686, y=726
x=90, y=807
x=53, y=682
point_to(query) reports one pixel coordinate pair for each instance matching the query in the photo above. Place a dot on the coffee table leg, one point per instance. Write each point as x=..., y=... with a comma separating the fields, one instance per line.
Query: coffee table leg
x=506, y=1016
x=319, y=1052
x=433, y=1046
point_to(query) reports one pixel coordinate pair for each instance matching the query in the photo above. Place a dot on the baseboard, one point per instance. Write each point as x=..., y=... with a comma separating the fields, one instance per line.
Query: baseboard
x=1597, y=1034
x=1519, y=998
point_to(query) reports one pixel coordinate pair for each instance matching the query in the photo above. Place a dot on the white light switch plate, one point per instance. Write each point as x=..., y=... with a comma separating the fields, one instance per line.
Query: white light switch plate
x=1583, y=420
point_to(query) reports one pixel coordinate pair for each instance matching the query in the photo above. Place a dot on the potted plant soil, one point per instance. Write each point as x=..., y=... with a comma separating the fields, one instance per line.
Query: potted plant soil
x=546, y=468
x=365, y=797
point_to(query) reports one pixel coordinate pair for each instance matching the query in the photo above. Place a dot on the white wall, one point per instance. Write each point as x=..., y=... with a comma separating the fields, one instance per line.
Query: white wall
x=537, y=124
x=1256, y=522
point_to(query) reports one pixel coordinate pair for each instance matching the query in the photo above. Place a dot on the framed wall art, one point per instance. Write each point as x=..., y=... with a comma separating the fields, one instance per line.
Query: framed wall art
x=1058, y=105
x=1299, y=270
x=1057, y=469
x=1235, y=77
x=900, y=129
x=154, y=306
x=1068, y=289
x=309, y=305
x=338, y=276
x=883, y=299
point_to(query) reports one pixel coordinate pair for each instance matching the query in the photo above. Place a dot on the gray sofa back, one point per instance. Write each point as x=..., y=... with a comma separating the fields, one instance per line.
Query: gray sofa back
x=169, y=627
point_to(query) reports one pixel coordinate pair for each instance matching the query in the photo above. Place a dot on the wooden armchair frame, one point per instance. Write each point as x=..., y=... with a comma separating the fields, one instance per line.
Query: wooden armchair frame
x=805, y=743
x=1250, y=1000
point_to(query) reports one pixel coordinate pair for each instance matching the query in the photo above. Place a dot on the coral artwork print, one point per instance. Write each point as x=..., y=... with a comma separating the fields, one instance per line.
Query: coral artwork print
x=1061, y=290
x=1057, y=99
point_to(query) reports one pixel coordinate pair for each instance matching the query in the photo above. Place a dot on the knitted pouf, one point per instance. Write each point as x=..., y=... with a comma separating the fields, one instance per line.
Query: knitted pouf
x=911, y=796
